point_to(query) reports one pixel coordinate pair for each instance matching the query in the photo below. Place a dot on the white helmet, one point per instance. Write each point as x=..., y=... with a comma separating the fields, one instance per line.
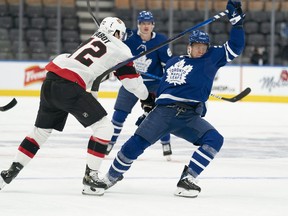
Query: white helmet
x=110, y=25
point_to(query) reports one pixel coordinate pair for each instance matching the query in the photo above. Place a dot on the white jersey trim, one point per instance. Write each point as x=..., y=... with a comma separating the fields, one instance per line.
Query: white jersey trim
x=231, y=51
x=169, y=96
x=228, y=51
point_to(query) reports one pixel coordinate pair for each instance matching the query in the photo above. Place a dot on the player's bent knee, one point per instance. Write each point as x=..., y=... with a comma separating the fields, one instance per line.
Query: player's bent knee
x=134, y=147
x=40, y=135
x=103, y=129
x=213, y=139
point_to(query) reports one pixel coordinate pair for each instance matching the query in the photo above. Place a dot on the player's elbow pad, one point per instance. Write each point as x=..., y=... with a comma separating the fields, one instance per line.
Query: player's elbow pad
x=136, y=87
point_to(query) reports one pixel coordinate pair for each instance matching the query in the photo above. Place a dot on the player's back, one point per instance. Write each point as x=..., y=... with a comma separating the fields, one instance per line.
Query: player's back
x=96, y=55
x=101, y=53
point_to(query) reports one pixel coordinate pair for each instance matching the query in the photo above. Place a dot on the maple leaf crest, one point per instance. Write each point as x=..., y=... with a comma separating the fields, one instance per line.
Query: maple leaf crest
x=176, y=74
x=142, y=64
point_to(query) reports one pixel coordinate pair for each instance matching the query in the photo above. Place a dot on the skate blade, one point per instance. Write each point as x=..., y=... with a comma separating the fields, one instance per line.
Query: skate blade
x=87, y=190
x=186, y=193
x=2, y=183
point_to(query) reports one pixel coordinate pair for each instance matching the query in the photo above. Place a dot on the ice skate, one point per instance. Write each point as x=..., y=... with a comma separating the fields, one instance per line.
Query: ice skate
x=110, y=181
x=186, y=186
x=8, y=175
x=93, y=185
x=167, y=152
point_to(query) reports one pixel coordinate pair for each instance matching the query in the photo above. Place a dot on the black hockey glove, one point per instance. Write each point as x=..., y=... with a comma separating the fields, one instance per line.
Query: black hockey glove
x=235, y=14
x=141, y=119
x=148, y=104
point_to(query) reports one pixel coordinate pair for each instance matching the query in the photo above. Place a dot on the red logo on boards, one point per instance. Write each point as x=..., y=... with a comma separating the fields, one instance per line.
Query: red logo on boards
x=284, y=75
x=34, y=74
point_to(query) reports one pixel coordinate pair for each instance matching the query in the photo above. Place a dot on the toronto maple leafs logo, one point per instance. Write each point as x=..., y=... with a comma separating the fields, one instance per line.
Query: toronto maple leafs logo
x=176, y=74
x=142, y=64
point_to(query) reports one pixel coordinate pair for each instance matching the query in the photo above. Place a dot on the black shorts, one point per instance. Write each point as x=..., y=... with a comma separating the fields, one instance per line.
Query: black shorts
x=59, y=97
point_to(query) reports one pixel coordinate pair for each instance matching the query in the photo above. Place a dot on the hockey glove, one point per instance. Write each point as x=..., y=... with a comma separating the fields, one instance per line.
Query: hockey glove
x=235, y=13
x=148, y=104
x=141, y=119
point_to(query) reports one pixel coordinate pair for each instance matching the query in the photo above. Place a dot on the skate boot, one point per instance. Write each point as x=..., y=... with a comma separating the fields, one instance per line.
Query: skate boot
x=8, y=175
x=186, y=186
x=93, y=185
x=167, y=152
x=110, y=181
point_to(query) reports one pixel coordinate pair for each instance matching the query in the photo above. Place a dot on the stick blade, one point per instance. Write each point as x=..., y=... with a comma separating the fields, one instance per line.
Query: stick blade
x=240, y=96
x=10, y=105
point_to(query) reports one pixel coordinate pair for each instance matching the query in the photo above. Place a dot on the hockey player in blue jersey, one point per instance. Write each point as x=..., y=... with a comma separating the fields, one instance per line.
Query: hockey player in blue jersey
x=140, y=40
x=184, y=88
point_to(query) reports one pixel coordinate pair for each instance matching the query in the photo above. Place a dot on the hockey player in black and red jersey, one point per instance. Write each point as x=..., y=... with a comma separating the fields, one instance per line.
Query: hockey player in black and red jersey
x=64, y=91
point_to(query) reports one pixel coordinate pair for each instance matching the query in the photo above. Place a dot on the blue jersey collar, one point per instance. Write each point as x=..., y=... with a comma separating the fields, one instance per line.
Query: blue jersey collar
x=153, y=34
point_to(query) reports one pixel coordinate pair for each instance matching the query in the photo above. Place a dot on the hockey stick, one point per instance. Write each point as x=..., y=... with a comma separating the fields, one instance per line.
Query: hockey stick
x=96, y=83
x=10, y=105
x=236, y=98
x=97, y=24
x=91, y=13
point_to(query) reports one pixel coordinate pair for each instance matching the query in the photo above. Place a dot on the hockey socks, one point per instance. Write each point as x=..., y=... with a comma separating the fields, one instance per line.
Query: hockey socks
x=29, y=147
x=96, y=152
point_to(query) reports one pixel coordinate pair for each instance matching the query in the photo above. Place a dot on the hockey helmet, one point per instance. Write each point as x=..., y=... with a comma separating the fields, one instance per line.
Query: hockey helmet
x=145, y=16
x=110, y=25
x=198, y=36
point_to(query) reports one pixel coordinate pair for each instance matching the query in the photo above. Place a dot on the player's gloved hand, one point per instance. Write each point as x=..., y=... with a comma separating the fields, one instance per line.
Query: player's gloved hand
x=141, y=119
x=235, y=14
x=148, y=104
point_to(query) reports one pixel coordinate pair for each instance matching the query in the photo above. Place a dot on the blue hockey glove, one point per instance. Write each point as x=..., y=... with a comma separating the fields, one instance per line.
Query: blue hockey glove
x=141, y=119
x=148, y=104
x=235, y=13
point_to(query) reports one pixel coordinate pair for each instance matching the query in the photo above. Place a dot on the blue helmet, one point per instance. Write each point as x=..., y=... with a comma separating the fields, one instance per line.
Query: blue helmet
x=198, y=36
x=145, y=16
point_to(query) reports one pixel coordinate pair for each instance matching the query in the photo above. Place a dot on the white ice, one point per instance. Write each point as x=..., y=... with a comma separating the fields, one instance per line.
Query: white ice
x=248, y=177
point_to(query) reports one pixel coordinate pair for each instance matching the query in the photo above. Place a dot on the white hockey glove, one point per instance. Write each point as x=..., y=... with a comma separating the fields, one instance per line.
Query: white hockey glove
x=235, y=14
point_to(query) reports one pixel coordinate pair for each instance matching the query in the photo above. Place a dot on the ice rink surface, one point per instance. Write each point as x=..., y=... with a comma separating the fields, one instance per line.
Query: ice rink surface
x=249, y=177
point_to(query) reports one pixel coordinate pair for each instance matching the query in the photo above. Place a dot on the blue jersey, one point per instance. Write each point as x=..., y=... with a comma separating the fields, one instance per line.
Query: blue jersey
x=152, y=63
x=190, y=80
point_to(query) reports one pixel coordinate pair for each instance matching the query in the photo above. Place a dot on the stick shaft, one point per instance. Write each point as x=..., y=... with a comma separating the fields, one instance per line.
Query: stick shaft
x=96, y=83
x=236, y=98
x=91, y=13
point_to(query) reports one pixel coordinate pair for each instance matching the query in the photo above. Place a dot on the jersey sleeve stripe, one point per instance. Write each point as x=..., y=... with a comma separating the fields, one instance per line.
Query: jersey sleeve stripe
x=128, y=76
x=227, y=54
x=231, y=51
x=127, y=71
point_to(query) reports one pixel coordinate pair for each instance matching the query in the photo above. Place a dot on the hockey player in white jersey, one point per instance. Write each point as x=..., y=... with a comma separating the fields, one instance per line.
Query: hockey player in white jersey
x=64, y=91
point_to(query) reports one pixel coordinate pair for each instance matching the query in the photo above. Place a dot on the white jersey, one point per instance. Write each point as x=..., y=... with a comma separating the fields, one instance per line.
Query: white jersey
x=98, y=54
